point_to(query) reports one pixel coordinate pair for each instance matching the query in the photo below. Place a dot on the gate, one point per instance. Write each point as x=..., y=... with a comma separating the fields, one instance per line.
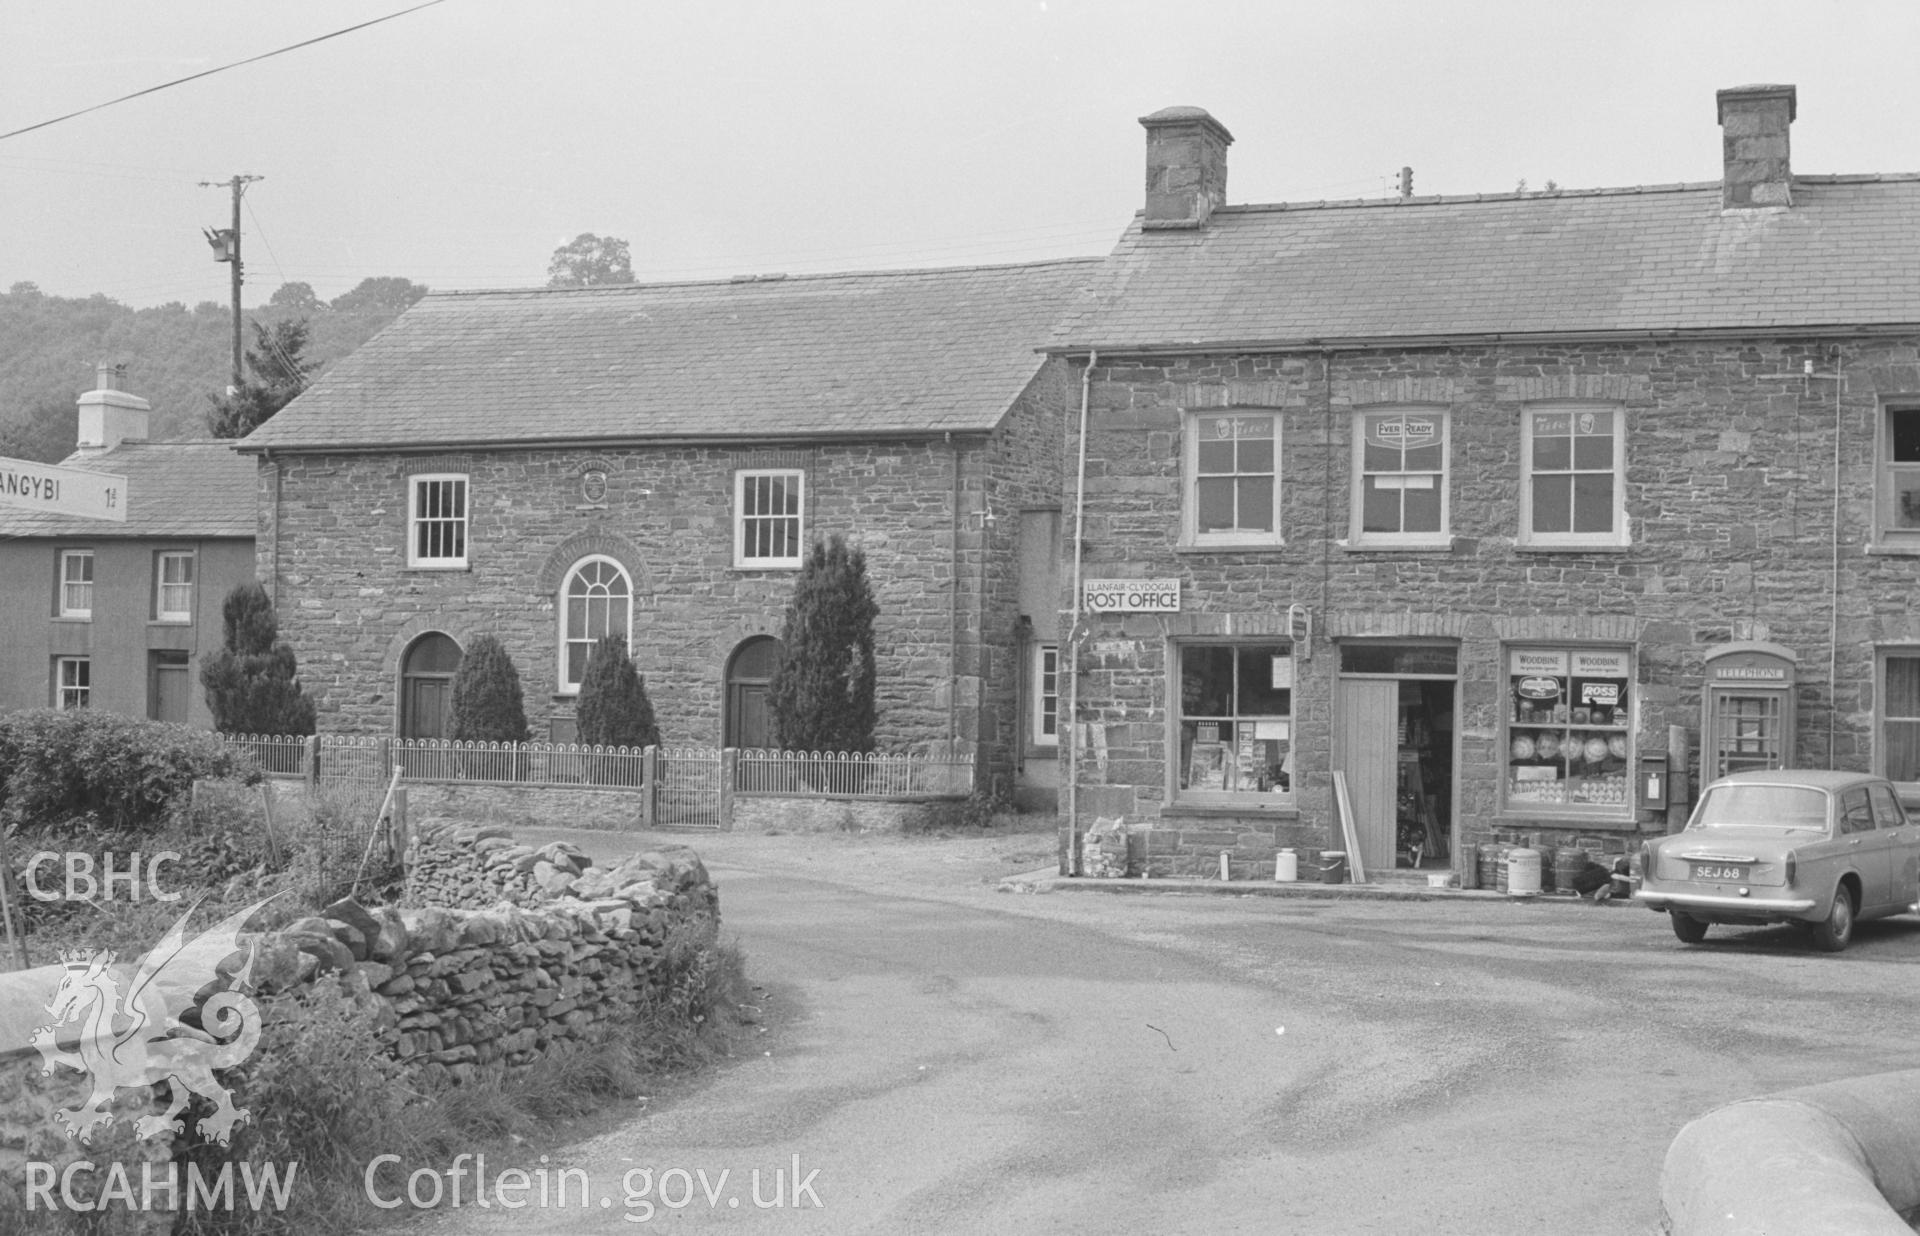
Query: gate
x=688, y=788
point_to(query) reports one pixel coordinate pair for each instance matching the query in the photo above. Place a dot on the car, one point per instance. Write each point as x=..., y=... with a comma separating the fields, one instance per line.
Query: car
x=1825, y=849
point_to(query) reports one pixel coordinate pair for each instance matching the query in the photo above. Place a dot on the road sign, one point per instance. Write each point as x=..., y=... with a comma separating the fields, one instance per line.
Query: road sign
x=63, y=491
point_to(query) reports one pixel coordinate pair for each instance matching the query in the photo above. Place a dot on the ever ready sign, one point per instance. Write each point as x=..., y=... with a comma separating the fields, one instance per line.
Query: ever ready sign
x=1130, y=596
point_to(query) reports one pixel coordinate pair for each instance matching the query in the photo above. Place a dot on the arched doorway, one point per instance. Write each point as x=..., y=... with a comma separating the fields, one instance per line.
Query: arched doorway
x=426, y=686
x=749, y=721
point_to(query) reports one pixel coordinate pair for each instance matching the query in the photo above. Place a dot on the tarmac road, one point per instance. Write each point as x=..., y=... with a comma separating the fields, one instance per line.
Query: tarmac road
x=946, y=1058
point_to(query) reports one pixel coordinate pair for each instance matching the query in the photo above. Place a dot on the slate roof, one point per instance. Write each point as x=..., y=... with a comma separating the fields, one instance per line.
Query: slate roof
x=1665, y=258
x=175, y=490
x=809, y=356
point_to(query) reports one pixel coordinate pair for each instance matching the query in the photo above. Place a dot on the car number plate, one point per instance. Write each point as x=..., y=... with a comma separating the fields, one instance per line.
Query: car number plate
x=1719, y=871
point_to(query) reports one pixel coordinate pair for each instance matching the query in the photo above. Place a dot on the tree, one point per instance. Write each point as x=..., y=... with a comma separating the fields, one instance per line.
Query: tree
x=296, y=298
x=487, y=703
x=822, y=693
x=46, y=434
x=614, y=710
x=385, y=294
x=279, y=370
x=589, y=261
x=251, y=682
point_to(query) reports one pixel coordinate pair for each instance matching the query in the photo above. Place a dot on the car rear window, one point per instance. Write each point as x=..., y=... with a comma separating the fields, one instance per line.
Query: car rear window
x=1749, y=806
x=1886, y=808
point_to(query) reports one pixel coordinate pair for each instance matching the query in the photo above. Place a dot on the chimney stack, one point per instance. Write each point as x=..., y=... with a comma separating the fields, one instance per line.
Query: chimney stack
x=1754, y=121
x=1186, y=167
x=108, y=415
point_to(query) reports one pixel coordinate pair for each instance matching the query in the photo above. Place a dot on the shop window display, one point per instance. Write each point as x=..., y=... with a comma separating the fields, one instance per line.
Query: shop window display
x=1236, y=707
x=1569, y=722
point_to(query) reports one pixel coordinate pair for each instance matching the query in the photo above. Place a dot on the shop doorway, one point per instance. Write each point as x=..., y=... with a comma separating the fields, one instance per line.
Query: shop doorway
x=1395, y=721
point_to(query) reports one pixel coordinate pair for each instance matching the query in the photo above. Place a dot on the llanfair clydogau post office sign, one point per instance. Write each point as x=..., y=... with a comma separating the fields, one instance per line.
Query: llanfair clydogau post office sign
x=1130, y=596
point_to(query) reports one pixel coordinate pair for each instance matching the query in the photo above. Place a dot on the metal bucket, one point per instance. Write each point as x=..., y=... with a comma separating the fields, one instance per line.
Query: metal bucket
x=1568, y=862
x=1523, y=872
x=1492, y=866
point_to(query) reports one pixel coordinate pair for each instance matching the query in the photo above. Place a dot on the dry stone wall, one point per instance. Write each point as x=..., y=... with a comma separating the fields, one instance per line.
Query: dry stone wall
x=499, y=953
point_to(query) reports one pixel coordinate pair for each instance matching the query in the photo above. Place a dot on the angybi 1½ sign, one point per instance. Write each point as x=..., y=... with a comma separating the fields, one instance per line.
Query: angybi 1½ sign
x=1131, y=596
x=63, y=491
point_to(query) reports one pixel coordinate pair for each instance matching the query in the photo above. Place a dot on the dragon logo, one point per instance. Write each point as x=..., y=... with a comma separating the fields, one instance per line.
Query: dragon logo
x=131, y=1031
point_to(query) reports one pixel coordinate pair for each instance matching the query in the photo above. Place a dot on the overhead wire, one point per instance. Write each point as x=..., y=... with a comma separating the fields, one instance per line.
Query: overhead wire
x=181, y=81
x=267, y=336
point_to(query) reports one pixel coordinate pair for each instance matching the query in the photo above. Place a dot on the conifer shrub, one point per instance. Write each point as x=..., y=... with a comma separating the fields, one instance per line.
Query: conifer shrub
x=252, y=682
x=614, y=710
x=822, y=694
x=488, y=705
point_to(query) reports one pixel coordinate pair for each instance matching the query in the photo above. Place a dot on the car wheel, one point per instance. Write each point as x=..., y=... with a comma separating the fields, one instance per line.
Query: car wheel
x=1690, y=930
x=1836, y=932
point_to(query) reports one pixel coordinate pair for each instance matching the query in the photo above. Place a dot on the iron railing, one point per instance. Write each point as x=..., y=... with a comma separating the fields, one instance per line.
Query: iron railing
x=850, y=774
x=686, y=787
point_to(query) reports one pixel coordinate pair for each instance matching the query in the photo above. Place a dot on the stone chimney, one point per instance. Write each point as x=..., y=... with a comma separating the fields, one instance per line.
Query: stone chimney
x=108, y=415
x=1186, y=167
x=1754, y=121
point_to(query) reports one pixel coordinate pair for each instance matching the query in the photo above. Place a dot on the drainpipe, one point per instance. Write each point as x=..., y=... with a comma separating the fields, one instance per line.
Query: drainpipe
x=1070, y=647
x=953, y=613
x=273, y=546
x=1833, y=598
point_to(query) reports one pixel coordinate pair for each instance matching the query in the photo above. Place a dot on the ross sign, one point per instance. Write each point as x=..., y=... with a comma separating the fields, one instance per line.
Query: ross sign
x=63, y=491
x=1130, y=596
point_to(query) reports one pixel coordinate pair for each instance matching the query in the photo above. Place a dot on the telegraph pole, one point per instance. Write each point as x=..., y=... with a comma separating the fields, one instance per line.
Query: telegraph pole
x=226, y=248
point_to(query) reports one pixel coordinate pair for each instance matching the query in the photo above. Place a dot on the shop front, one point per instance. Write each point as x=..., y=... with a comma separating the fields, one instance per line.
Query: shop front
x=1570, y=733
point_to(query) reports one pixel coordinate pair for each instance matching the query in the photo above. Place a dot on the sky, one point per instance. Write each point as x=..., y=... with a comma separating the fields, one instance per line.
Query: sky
x=459, y=144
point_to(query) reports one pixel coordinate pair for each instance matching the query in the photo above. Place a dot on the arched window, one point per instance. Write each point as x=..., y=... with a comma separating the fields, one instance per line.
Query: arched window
x=426, y=686
x=749, y=721
x=595, y=600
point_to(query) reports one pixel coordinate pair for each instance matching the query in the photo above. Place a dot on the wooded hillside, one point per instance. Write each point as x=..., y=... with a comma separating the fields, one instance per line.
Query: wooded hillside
x=176, y=357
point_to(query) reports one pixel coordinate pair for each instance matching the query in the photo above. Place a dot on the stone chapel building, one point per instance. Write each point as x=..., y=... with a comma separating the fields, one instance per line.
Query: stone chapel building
x=653, y=460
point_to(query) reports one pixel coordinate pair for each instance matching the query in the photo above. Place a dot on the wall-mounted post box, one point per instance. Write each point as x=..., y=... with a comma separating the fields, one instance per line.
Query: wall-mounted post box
x=1653, y=782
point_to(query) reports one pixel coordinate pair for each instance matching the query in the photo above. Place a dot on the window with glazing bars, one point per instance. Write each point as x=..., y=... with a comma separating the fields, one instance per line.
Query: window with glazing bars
x=768, y=524
x=439, y=521
x=76, y=583
x=175, y=575
x=73, y=682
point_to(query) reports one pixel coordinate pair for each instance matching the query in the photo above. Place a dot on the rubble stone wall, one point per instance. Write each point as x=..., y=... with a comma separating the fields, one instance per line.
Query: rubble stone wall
x=499, y=953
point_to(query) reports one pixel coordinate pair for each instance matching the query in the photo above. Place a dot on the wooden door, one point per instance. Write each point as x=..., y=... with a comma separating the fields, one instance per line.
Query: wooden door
x=426, y=686
x=1366, y=711
x=749, y=721
x=427, y=707
x=170, y=689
